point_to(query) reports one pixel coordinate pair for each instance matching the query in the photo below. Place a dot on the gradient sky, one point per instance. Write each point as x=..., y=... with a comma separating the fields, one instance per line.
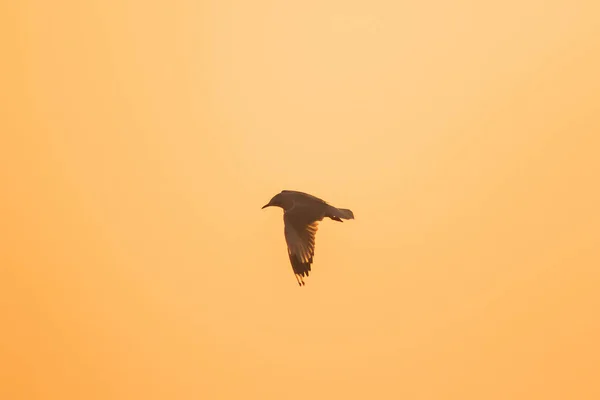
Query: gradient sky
x=142, y=138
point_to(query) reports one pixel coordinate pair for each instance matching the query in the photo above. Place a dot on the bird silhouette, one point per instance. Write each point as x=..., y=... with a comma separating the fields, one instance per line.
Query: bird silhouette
x=302, y=213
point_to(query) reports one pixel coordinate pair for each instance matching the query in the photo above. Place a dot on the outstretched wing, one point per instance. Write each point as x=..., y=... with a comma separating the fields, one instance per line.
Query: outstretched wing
x=300, y=232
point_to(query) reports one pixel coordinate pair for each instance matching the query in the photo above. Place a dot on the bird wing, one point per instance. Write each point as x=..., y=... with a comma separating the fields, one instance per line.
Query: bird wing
x=300, y=230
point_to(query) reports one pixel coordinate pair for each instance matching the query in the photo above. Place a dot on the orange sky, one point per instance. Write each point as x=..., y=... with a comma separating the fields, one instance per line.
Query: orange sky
x=142, y=138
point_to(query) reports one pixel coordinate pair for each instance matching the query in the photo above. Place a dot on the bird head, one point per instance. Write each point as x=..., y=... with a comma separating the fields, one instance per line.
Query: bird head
x=276, y=201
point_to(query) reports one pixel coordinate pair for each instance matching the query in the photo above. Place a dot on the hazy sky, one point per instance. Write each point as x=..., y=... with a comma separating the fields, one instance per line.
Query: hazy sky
x=143, y=137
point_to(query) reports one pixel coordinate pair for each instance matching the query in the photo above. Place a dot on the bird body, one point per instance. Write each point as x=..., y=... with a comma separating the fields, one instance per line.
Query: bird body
x=302, y=213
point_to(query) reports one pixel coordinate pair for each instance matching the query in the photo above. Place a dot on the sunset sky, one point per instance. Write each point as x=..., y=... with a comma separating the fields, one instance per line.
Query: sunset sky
x=140, y=140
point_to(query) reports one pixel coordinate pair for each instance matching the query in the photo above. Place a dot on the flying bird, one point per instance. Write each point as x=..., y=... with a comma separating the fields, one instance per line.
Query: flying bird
x=302, y=213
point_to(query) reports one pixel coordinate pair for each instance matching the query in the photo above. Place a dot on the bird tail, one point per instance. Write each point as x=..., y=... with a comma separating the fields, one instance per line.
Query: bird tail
x=337, y=214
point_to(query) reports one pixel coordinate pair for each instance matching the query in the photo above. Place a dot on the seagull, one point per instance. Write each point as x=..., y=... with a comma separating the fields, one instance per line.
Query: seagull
x=302, y=213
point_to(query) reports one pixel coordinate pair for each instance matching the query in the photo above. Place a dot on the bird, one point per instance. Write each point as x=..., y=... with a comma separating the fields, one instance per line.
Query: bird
x=302, y=213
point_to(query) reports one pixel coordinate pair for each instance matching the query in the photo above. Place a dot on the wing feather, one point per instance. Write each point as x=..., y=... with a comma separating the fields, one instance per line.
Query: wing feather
x=300, y=238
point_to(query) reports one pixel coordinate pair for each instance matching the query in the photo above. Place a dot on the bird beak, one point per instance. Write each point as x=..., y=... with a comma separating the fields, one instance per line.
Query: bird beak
x=265, y=206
